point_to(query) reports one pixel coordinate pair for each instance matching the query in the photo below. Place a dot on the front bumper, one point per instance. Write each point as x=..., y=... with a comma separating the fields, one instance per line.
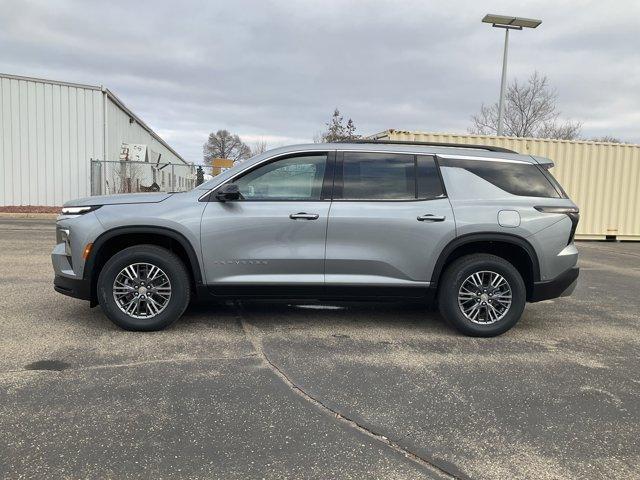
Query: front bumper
x=65, y=281
x=72, y=287
x=561, y=286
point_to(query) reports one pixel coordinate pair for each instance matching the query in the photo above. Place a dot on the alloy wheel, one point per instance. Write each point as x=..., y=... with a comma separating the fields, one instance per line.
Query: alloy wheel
x=142, y=290
x=485, y=297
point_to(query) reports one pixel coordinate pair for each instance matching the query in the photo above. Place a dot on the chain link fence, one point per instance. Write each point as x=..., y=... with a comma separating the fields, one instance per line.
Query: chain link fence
x=128, y=176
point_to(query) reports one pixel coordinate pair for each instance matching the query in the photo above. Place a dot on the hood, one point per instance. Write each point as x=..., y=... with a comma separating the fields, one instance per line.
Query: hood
x=118, y=199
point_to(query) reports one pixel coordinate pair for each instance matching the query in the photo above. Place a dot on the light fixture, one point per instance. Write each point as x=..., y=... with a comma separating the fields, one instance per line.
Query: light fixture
x=508, y=23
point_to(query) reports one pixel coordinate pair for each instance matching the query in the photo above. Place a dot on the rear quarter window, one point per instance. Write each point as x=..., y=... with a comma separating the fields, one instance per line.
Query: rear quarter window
x=522, y=179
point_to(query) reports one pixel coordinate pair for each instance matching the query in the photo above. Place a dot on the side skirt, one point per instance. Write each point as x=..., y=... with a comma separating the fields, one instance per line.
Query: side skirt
x=323, y=292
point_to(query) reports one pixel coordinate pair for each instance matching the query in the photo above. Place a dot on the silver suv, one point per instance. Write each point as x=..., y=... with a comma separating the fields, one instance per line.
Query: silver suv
x=476, y=230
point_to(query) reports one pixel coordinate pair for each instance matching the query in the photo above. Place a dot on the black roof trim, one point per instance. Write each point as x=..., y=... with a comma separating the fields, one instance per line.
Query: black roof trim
x=433, y=144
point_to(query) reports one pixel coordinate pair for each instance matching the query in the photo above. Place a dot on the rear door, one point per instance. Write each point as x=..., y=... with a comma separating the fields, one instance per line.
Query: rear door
x=389, y=219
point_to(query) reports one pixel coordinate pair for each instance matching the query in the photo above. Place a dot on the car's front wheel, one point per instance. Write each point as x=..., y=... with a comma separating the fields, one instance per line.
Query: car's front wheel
x=482, y=295
x=144, y=287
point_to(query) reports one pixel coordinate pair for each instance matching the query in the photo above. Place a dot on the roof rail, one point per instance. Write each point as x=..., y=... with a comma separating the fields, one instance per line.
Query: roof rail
x=489, y=148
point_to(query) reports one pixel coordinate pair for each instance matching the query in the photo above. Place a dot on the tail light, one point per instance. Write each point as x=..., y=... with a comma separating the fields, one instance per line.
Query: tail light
x=572, y=212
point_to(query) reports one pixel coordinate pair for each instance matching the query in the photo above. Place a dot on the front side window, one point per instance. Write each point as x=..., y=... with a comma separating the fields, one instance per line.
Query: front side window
x=389, y=176
x=292, y=178
x=516, y=178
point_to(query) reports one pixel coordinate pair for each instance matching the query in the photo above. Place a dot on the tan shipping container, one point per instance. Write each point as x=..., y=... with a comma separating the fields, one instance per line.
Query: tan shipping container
x=602, y=178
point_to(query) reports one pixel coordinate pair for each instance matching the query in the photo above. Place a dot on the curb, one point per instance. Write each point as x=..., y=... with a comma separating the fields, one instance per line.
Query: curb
x=41, y=216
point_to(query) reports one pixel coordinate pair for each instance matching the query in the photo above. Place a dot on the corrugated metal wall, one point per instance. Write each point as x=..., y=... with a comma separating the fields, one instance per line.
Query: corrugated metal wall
x=49, y=131
x=602, y=178
x=121, y=129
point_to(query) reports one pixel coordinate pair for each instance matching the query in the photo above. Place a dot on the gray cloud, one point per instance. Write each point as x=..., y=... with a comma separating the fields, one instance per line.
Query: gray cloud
x=277, y=68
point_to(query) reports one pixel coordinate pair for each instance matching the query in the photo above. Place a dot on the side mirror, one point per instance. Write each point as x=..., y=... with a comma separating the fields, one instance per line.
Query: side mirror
x=228, y=192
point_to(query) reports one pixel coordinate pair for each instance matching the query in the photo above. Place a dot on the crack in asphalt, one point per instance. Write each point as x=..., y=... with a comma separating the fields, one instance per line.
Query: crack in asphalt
x=254, y=338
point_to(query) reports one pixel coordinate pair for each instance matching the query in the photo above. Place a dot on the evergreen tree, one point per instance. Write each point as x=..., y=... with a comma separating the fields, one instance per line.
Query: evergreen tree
x=199, y=175
x=337, y=130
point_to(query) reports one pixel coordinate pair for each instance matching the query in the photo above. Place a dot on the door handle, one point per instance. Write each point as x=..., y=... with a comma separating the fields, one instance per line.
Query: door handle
x=431, y=218
x=304, y=216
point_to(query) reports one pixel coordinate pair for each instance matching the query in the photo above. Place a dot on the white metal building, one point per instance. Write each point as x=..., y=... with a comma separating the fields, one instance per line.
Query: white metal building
x=51, y=131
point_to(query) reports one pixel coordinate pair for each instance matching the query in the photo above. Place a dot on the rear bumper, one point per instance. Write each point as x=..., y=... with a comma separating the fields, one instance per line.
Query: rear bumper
x=76, y=288
x=561, y=286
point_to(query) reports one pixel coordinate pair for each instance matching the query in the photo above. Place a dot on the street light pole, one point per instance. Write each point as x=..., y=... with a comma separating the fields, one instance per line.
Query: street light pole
x=503, y=81
x=508, y=23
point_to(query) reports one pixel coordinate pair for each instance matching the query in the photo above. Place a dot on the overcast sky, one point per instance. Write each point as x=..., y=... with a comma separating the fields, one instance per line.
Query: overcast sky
x=276, y=69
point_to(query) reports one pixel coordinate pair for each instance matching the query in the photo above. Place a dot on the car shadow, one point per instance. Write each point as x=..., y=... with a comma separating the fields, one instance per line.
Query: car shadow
x=276, y=314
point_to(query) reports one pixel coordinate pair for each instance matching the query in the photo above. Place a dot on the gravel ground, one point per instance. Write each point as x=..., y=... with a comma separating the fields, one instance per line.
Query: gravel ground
x=259, y=390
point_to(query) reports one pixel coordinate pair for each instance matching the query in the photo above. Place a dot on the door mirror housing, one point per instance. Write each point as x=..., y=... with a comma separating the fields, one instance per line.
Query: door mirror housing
x=228, y=192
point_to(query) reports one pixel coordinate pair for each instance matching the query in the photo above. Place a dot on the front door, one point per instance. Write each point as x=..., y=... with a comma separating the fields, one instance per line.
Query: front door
x=272, y=240
x=389, y=219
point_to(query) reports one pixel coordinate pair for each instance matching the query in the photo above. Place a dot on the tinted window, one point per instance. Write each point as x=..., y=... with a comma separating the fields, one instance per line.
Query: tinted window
x=378, y=176
x=293, y=178
x=554, y=182
x=429, y=183
x=523, y=179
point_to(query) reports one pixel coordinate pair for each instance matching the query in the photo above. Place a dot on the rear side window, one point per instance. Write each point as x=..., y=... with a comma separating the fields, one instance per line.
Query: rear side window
x=388, y=176
x=378, y=176
x=522, y=179
x=554, y=182
x=429, y=182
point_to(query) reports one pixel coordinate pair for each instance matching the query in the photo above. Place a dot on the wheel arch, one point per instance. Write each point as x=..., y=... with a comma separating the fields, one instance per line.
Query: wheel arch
x=515, y=249
x=117, y=238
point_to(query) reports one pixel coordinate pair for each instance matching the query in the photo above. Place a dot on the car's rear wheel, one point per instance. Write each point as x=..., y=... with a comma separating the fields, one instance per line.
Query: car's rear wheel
x=482, y=295
x=144, y=287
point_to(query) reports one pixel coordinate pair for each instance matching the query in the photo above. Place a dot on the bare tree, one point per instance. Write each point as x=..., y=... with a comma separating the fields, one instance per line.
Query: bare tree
x=224, y=144
x=607, y=138
x=530, y=111
x=337, y=130
x=259, y=146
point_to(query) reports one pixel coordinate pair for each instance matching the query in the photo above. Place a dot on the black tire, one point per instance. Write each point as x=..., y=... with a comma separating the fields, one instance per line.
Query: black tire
x=458, y=272
x=169, y=263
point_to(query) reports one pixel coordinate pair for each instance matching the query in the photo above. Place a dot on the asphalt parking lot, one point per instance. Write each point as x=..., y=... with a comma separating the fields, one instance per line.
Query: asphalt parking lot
x=317, y=391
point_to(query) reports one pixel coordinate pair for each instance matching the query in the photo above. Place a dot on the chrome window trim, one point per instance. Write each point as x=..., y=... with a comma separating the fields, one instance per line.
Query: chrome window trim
x=389, y=200
x=395, y=152
x=484, y=159
x=440, y=155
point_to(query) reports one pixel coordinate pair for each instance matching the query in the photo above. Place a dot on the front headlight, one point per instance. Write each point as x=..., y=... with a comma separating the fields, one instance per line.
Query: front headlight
x=79, y=210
